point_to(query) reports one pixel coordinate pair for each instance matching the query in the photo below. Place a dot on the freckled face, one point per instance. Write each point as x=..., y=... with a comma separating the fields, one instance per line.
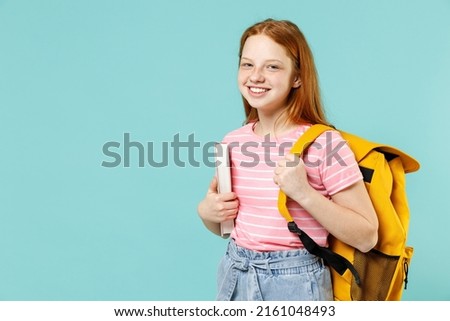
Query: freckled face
x=266, y=74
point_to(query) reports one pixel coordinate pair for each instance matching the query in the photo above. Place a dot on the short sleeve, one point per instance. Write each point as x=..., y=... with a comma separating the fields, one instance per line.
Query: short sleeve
x=336, y=163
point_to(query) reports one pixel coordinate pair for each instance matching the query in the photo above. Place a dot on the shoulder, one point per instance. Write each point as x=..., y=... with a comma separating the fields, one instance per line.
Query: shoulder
x=332, y=134
x=332, y=147
x=328, y=139
x=334, y=162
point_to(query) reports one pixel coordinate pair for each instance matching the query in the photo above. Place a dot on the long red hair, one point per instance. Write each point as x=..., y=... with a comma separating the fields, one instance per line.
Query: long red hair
x=304, y=103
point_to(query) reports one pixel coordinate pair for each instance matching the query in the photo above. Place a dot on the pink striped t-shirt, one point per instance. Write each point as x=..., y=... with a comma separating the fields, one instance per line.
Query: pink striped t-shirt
x=330, y=165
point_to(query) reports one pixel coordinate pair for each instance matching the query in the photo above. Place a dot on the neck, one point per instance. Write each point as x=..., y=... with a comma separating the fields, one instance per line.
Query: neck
x=274, y=124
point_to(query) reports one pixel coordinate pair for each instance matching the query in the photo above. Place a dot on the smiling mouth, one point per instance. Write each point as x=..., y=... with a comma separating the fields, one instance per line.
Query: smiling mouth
x=258, y=90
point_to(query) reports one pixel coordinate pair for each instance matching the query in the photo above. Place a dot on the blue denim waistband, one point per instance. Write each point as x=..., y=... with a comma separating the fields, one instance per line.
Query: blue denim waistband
x=300, y=258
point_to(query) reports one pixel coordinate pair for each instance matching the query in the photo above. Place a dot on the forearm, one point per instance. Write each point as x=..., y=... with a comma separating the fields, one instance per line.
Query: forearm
x=211, y=226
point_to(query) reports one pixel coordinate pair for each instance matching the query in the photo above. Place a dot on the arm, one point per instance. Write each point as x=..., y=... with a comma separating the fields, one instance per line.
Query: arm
x=349, y=216
x=216, y=208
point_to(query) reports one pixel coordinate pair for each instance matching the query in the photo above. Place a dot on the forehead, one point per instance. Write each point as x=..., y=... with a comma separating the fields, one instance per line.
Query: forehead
x=262, y=46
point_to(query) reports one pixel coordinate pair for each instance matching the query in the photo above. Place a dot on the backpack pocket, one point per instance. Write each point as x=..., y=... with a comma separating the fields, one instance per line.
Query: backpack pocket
x=377, y=271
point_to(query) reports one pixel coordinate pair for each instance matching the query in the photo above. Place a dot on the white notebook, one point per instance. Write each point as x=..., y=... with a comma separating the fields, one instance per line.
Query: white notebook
x=223, y=174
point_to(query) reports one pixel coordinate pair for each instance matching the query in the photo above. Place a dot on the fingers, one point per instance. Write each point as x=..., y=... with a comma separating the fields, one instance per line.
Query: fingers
x=227, y=214
x=286, y=168
x=227, y=210
x=225, y=197
x=290, y=160
x=276, y=180
x=213, y=185
x=223, y=206
x=217, y=207
x=212, y=189
x=231, y=205
x=231, y=216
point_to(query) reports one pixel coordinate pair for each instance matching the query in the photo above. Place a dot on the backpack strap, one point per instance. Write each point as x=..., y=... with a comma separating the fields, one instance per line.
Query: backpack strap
x=336, y=261
x=302, y=144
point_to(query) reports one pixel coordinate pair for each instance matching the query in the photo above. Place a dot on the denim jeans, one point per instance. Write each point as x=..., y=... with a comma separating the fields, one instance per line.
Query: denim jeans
x=293, y=275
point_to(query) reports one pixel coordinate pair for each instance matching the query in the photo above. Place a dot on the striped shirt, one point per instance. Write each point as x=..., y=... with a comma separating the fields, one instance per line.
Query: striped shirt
x=330, y=165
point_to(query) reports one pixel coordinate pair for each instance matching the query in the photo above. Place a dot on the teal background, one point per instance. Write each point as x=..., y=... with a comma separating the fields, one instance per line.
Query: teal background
x=77, y=74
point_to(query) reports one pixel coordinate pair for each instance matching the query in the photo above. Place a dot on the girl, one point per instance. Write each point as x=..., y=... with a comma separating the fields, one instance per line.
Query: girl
x=264, y=261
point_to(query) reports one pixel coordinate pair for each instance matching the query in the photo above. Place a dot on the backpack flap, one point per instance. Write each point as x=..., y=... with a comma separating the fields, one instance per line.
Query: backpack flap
x=361, y=147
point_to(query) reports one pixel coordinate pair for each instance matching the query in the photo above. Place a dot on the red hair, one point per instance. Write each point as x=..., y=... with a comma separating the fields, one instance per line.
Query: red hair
x=304, y=103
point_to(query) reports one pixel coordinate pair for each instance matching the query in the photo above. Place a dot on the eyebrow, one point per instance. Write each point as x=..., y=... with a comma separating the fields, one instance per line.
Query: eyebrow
x=268, y=60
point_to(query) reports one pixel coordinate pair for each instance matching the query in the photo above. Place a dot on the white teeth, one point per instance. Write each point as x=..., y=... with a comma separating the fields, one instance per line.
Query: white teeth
x=258, y=90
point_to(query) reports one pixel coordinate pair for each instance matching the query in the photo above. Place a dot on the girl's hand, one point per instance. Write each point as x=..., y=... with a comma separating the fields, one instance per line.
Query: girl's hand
x=216, y=207
x=290, y=176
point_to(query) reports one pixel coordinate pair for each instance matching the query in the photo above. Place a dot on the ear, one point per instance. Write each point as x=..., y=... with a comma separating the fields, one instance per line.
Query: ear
x=297, y=82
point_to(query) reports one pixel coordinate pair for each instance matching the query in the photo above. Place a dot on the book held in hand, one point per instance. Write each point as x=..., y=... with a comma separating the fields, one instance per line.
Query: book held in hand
x=223, y=174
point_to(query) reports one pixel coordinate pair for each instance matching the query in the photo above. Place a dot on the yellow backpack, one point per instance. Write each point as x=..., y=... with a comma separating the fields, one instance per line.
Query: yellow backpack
x=380, y=274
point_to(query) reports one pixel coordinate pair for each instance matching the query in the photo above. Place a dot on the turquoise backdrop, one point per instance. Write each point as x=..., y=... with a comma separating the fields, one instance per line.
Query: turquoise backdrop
x=76, y=75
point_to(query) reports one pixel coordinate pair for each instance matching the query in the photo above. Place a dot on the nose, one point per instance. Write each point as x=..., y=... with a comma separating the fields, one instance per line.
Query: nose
x=256, y=76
